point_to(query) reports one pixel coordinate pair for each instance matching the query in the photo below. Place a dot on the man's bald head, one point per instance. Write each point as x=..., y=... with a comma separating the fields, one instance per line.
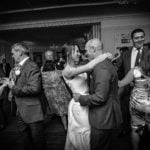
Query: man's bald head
x=93, y=47
x=95, y=43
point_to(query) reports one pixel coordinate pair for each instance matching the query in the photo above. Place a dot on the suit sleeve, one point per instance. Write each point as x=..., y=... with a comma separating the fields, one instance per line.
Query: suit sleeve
x=33, y=85
x=101, y=89
x=119, y=62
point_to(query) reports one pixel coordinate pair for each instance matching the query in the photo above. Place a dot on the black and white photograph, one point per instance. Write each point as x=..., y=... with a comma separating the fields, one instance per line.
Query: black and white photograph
x=75, y=75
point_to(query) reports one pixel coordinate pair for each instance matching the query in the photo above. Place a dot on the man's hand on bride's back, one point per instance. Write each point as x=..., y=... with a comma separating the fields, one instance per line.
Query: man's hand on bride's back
x=76, y=97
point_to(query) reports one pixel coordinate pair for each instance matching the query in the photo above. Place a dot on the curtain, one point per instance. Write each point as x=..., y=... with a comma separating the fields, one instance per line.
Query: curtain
x=96, y=31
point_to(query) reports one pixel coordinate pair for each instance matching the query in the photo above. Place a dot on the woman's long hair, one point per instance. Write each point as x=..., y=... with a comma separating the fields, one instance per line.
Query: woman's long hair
x=69, y=49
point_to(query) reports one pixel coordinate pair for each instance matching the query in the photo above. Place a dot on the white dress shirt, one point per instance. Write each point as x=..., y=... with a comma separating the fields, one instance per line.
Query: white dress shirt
x=134, y=55
x=23, y=61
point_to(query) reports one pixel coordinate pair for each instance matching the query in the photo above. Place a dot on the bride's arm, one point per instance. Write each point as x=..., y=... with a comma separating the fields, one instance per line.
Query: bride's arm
x=70, y=72
x=127, y=79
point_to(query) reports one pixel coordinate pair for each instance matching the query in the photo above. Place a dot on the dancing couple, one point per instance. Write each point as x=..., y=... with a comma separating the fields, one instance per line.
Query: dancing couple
x=94, y=110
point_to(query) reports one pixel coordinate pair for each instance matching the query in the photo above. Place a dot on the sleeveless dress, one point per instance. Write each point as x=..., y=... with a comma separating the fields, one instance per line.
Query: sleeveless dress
x=140, y=93
x=78, y=135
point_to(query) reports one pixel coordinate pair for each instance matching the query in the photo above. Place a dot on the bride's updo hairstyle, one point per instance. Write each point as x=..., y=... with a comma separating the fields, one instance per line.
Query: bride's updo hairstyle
x=69, y=49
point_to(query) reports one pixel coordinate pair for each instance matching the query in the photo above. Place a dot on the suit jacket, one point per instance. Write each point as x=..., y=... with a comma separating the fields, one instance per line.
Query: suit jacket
x=27, y=91
x=104, y=107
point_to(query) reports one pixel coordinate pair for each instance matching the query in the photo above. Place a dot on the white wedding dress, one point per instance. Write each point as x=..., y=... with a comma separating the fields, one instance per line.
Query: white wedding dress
x=78, y=135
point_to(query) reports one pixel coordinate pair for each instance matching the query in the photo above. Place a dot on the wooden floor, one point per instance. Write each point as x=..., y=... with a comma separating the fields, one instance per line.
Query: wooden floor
x=54, y=133
x=55, y=137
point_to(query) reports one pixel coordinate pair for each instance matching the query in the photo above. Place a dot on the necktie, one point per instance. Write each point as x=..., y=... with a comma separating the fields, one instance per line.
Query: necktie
x=138, y=57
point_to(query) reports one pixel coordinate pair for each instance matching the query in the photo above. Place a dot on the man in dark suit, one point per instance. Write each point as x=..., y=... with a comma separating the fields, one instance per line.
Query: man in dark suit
x=26, y=89
x=129, y=59
x=104, y=108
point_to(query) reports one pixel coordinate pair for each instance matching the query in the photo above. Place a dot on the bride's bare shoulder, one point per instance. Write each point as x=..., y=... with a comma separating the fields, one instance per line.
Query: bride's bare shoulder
x=68, y=71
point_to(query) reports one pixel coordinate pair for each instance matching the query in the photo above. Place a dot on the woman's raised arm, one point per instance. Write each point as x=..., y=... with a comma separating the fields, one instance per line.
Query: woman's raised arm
x=127, y=79
x=70, y=72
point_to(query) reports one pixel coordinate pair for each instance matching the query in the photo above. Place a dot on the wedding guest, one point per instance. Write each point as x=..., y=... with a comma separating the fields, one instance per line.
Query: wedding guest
x=50, y=61
x=55, y=89
x=26, y=89
x=139, y=98
x=129, y=59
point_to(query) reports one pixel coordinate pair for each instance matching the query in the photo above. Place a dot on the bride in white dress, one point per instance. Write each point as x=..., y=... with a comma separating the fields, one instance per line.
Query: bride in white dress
x=78, y=134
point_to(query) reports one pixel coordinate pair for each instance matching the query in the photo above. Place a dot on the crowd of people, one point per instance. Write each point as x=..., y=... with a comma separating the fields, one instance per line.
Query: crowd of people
x=94, y=98
x=136, y=66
